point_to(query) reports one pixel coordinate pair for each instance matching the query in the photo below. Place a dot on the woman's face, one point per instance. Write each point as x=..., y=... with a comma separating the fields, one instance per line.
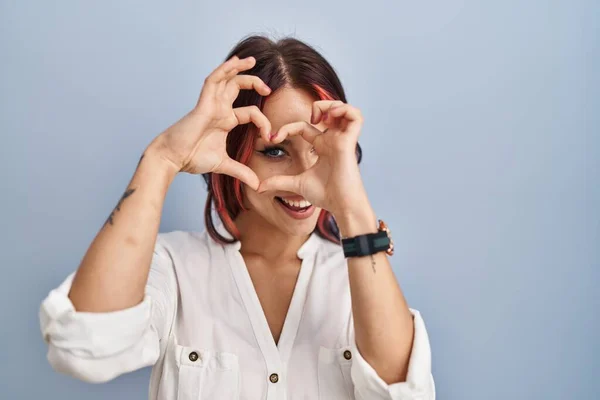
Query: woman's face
x=288, y=212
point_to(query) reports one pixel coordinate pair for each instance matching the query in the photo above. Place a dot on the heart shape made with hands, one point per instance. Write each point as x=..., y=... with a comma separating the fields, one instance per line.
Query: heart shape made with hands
x=334, y=179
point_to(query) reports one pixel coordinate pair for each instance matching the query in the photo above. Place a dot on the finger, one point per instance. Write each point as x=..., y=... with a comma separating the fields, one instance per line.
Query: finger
x=239, y=171
x=351, y=118
x=306, y=130
x=322, y=106
x=243, y=64
x=346, y=111
x=222, y=70
x=246, y=82
x=253, y=114
x=230, y=68
x=286, y=183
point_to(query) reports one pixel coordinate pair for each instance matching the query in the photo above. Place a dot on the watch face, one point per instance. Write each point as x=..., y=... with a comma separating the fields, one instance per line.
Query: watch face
x=383, y=227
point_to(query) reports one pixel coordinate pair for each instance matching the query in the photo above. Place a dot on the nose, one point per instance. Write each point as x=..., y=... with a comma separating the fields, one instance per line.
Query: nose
x=304, y=160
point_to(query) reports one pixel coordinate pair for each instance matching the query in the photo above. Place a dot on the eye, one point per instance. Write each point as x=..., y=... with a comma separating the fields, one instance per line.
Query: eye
x=273, y=152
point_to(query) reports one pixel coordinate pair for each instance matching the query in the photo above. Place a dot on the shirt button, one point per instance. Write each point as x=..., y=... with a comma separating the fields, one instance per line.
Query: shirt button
x=274, y=378
x=347, y=354
x=193, y=356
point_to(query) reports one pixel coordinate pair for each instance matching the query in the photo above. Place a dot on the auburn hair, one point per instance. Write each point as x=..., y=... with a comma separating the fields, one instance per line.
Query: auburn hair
x=286, y=62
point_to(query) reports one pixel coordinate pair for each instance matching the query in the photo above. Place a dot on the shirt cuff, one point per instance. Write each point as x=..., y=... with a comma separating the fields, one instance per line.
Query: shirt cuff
x=419, y=382
x=87, y=334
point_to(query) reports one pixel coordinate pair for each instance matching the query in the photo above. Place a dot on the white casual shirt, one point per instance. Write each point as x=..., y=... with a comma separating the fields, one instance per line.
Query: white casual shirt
x=202, y=327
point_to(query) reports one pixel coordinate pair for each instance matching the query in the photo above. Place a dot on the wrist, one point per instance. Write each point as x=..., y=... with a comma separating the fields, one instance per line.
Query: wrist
x=155, y=158
x=356, y=222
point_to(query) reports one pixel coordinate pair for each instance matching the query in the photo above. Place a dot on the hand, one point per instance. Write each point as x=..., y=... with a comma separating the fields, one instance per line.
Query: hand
x=197, y=143
x=334, y=181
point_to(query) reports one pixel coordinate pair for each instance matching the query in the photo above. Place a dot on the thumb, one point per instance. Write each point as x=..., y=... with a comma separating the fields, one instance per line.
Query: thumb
x=239, y=171
x=287, y=183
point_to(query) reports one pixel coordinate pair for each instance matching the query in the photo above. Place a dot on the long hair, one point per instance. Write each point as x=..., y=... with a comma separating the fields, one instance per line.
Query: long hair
x=286, y=62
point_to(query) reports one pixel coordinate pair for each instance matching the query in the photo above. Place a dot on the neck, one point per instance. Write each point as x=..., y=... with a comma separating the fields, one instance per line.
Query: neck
x=259, y=238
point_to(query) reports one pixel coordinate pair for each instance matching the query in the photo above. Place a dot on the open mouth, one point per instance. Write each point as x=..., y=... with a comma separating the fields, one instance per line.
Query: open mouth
x=297, y=209
x=293, y=205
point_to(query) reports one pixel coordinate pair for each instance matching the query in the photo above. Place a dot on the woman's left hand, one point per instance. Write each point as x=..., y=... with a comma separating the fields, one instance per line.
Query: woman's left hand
x=333, y=182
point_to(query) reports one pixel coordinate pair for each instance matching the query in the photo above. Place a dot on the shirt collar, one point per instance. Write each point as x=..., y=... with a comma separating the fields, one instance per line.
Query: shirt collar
x=308, y=248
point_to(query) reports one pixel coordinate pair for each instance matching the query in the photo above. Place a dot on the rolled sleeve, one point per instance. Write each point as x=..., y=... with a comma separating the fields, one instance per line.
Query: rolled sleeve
x=419, y=384
x=97, y=347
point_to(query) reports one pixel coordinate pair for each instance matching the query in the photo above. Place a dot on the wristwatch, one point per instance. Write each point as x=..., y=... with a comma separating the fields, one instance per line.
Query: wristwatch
x=371, y=243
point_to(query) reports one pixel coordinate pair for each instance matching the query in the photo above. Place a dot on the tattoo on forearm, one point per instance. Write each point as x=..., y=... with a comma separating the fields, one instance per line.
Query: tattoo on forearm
x=110, y=219
x=373, y=263
x=139, y=162
x=128, y=192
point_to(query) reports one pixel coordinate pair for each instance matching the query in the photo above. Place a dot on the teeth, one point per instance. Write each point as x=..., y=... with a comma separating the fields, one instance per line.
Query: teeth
x=298, y=204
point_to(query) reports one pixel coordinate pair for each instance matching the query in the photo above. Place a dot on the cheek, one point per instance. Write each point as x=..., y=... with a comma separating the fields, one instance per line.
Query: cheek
x=252, y=199
x=265, y=168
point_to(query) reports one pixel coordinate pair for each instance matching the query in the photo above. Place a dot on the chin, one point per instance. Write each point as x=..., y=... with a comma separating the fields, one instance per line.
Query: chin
x=296, y=228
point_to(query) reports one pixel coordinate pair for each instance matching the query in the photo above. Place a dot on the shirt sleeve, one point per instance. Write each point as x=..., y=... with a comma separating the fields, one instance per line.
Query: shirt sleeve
x=97, y=347
x=419, y=384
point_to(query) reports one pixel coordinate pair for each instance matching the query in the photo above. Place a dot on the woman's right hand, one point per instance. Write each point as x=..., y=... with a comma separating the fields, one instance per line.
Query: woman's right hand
x=197, y=143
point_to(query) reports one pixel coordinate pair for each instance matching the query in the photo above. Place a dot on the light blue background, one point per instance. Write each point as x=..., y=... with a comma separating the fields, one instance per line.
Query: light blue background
x=482, y=151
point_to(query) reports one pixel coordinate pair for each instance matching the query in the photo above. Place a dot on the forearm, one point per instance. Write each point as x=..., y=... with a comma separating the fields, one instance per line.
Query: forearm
x=113, y=273
x=382, y=321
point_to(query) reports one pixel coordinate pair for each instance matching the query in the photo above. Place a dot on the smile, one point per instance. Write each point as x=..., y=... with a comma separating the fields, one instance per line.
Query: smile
x=298, y=209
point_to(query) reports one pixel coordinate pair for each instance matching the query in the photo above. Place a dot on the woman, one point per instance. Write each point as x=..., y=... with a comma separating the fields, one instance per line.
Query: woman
x=270, y=303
